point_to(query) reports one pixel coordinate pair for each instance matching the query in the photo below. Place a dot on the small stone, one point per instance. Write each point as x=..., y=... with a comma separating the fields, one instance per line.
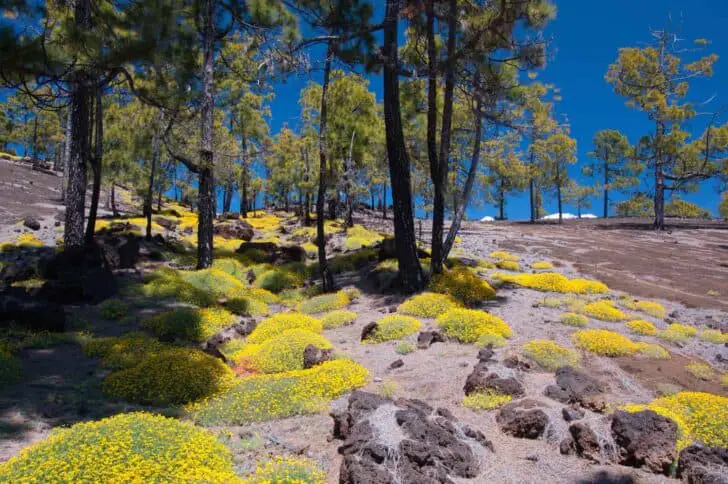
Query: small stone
x=463, y=364
x=570, y=413
x=532, y=458
x=378, y=379
x=396, y=364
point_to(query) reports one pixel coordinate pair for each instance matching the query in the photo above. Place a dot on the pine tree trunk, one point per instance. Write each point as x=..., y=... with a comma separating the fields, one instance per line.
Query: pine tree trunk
x=150, y=187
x=244, y=183
x=96, y=164
x=114, y=211
x=558, y=192
x=659, y=223
x=606, y=190
x=227, y=198
x=438, y=170
x=327, y=278
x=206, y=184
x=384, y=200
x=349, y=222
x=411, y=277
x=79, y=147
x=469, y=183
x=35, y=140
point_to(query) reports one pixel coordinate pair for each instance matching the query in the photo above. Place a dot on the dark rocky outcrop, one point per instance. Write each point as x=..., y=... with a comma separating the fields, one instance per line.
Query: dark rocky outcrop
x=236, y=331
x=583, y=442
x=645, y=439
x=428, y=447
x=703, y=465
x=235, y=229
x=167, y=223
x=368, y=330
x=28, y=311
x=523, y=419
x=480, y=380
x=426, y=338
x=313, y=356
x=77, y=275
x=574, y=387
x=121, y=252
x=570, y=414
x=31, y=222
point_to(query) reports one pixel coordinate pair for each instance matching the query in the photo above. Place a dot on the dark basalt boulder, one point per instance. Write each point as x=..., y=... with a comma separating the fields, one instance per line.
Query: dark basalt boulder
x=583, y=442
x=523, y=419
x=77, y=275
x=426, y=338
x=645, y=439
x=31, y=222
x=313, y=356
x=235, y=229
x=575, y=387
x=703, y=465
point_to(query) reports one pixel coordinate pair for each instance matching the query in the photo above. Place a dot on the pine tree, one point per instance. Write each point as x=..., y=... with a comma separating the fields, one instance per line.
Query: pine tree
x=615, y=166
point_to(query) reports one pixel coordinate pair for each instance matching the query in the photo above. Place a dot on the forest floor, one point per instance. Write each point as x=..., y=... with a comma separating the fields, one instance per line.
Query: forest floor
x=678, y=269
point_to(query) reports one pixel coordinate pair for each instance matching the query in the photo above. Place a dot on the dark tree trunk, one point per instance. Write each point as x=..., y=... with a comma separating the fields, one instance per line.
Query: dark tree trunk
x=327, y=278
x=606, y=190
x=114, y=211
x=411, y=277
x=150, y=187
x=35, y=140
x=469, y=183
x=502, y=202
x=244, y=181
x=558, y=192
x=227, y=198
x=206, y=185
x=438, y=170
x=384, y=200
x=349, y=222
x=306, y=179
x=659, y=223
x=96, y=164
x=79, y=147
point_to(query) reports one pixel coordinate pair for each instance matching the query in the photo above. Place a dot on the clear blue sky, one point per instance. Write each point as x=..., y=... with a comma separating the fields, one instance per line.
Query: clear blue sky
x=585, y=38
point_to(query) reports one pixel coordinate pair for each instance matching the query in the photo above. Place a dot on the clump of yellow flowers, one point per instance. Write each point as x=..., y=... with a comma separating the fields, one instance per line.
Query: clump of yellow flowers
x=652, y=308
x=358, y=237
x=574, y=319
x=280, y=395
x=677, y=333
x=640, y=326
x=462, y=284
x=508, y=265
x=469, y=325
x=543, y=265
x=324, y=303
x=296, y=470
x=503, y=255
x=131, y=447
x=604, y=310
x=604, y=342
x=549, y=355
x=336, y=318
x=394, y=326
x=283, y=352
x=428, y=305
x=485, y=400
x=278, y=323
x=553, y=282
x=189, y=323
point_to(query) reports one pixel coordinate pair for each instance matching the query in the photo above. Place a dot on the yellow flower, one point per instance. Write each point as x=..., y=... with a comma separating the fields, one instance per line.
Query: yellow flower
x=468, y=325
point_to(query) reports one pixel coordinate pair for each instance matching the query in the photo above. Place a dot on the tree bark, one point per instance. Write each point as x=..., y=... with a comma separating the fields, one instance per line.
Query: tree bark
x=384, y=200
x=468, y=189
x=659, y=223
x=96, y=164
x=606, y=190
x=349, y=222
x=206, y=182
x=306, y=179
x=438, y=171
x=79, y=147
x=227, y=198
x=244, y=180
x=150, y=187
x=411, y=277
x=558, y=192
x=114, y=211
x=327, y=278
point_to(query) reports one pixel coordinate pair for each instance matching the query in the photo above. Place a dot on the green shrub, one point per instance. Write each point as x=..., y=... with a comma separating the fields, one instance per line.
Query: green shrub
x=277, y=280
x=339, y=317
x=167, y=283
x=324, y=303
x=574, y=319
x=651, y=350
x=124, y=351
x=677, y=333
x=278, y=323
x=404, y=349
x=174, y=376
x=130, y=447
x=214, y=281
x=468, y=325
x=495, y=340
x=508, y=265
x=189, y=323
x=113, y=309
x=231, y=266
x=714, y=336
x=10, y=369
x=246, y=306
x=428, y=305
x=283, y=470
x=392, y=327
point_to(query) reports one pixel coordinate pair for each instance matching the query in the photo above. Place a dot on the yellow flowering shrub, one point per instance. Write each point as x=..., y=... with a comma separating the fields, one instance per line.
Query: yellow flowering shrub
x=260, y=294
x=284, y=352
x=311, y=249
x=264, y=222
x=640, y=326
x=549, y=355
x=394, y=326
x=324, y=303
x=129, y=447
x=508, y=265
x=652, y=308
x=276, y=280
x=28, y=240
x=428, y=305
x=603, y=342
x=700, y=370
x=339, y=317
x=231, y=266
x=167, y=283
x=358, y=237
x=705, y=414
x=113, y=309
x=652, y=350
x=485, y=400
x=714, y=336
x=123, y=351
x=553, y=282
x=294, y=470
x=574, y=319
x=214, y=281
x=280, y=395
x=503, y=255
x=495, y=340
x=543, y=265
x=246, y=306
x=174, y=376
x=190, y=323
x=604, y=310
x=724, y=380
x=468, y=325
x=462, y=284
x=278, y=323
x=677, y=333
